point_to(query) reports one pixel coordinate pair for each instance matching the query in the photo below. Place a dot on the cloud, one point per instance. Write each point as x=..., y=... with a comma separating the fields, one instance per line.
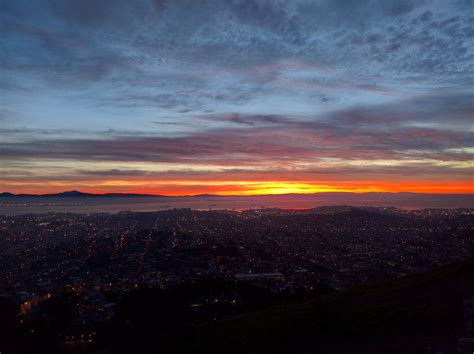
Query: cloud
x=394, y=130
x=116, y=38
x=287, y=144
x=243, y=119
x=288, y=84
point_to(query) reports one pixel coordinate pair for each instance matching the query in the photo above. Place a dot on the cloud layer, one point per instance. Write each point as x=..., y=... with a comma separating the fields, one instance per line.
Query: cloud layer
x=317, y=91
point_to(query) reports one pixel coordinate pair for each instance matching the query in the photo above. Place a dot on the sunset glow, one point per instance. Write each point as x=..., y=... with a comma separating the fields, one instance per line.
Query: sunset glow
x=182, y=188
x=233, y=98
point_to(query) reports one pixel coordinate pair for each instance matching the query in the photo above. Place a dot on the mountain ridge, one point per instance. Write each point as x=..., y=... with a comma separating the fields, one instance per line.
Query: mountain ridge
x=75, y=193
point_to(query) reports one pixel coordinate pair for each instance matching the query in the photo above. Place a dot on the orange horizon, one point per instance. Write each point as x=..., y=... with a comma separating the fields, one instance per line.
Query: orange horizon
x=238, y=188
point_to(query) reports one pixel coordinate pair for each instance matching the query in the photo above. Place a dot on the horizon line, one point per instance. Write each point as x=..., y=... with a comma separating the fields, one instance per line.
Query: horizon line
x=70, y=192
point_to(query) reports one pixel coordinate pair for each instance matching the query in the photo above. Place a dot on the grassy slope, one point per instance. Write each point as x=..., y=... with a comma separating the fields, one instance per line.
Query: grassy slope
x=416, y=314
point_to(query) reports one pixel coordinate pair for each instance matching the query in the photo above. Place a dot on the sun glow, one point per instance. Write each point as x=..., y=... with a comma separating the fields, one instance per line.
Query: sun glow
x=194, y=187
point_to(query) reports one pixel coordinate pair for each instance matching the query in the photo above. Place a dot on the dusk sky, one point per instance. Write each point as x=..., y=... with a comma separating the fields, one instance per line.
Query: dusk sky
x=236, y=97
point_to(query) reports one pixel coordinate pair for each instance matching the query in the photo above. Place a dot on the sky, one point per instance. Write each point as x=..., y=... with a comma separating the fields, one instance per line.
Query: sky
x=236, y=97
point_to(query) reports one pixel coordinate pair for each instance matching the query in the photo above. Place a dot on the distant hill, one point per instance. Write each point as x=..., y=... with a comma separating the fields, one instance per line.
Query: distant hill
x=77, y=194
x=336, y=202
x=339, y=209
x=6, y=194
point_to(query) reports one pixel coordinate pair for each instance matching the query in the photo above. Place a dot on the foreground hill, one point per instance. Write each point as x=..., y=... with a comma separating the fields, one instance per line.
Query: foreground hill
x=416, y=314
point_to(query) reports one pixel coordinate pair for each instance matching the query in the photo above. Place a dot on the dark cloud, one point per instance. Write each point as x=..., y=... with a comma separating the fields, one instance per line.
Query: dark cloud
x=288, y=143
x=246, y=119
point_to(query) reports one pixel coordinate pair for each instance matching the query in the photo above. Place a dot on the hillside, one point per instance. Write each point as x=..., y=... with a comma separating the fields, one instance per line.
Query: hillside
x=416, y=314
